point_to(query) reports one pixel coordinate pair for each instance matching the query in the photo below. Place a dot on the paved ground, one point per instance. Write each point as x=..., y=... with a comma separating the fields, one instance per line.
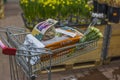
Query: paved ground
x=13, y=18
x=12, y=15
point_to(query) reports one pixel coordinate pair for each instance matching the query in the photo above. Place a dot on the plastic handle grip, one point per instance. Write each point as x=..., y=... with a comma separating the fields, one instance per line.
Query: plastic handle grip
x=6, y=50
x=2, y=45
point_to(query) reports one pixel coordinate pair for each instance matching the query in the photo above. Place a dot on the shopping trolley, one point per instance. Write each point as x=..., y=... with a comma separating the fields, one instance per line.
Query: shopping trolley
x=20, y=55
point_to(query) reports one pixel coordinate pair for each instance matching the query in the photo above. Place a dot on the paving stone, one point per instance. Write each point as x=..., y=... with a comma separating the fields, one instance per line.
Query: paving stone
x=108, y=74
x=112, y=79
x=102, y=69
x=80, y=75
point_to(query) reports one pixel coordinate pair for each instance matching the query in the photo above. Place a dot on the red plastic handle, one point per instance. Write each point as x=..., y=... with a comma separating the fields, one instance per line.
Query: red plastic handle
x=6, y=50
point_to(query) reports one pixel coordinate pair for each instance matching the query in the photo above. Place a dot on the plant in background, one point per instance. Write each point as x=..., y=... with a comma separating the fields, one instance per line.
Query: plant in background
x=114, y=3
x=86, y=8
x=35, y=10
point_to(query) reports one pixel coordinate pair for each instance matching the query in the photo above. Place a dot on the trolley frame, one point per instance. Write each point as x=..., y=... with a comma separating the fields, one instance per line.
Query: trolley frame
x=21, y=60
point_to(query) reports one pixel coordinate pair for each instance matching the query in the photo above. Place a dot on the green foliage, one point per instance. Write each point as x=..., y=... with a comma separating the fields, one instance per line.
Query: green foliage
x=43, y=9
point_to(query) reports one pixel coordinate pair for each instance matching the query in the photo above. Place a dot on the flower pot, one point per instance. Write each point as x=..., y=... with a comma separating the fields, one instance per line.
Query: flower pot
x=70, y=21
x=95, y=4
x=102, y=8
x=27, y=24
x=113, y=14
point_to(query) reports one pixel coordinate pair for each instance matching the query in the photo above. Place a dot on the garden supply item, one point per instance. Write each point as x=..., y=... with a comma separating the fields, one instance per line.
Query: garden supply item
x=64, y=42
x=44, y=30
x=71, y=34
x=31, y=40
x=57, y=54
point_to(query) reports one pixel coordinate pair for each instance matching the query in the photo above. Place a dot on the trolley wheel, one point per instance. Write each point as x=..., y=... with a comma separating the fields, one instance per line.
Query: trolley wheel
x=33, y=77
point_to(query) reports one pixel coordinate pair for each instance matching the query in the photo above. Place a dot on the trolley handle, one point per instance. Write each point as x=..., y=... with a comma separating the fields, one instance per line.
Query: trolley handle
x=94, y=21
x=7, y=50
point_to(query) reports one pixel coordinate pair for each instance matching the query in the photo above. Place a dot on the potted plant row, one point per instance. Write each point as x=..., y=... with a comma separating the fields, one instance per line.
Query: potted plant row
x=67, y=12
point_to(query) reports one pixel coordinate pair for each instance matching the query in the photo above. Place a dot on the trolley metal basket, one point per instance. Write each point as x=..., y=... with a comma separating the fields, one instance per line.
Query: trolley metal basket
x=20, y=63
